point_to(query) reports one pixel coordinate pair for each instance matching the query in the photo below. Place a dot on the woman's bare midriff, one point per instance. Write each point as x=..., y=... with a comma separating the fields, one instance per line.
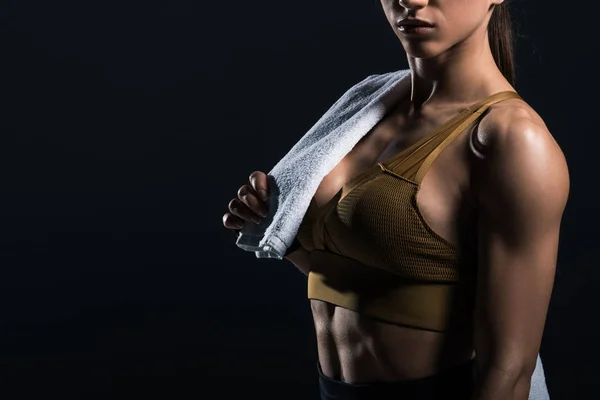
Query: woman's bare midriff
x=356, y=348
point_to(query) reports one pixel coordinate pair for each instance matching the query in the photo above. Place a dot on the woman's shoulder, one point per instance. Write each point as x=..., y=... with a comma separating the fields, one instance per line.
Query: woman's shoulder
x=510, y=121
x=511, y=109
x=518, y=160
x=512, y=138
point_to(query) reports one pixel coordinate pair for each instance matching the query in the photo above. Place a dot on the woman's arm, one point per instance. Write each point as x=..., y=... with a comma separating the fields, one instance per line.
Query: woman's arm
x=521, y=184
x=300, y=258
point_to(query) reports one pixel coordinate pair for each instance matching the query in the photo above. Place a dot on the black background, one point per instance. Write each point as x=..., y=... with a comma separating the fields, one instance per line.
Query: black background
x=126, y=128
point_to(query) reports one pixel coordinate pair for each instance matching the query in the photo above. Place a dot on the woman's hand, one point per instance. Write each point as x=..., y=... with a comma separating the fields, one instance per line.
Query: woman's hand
x=250, y=203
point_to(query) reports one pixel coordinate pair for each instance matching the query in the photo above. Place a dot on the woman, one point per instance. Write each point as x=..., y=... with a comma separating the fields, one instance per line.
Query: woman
x=461, y=176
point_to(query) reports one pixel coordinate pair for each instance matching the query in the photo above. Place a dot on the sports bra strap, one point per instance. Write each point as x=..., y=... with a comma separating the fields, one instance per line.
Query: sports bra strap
x=476, y=111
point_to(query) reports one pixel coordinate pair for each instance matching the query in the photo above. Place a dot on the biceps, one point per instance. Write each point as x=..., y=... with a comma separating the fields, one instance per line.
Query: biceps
x=515, y=280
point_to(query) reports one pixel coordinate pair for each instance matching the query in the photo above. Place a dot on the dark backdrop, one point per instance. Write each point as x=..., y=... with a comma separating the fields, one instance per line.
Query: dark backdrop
x=126, y=128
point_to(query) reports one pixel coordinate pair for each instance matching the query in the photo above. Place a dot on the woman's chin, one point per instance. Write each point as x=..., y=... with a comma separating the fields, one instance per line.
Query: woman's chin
x=420, y=51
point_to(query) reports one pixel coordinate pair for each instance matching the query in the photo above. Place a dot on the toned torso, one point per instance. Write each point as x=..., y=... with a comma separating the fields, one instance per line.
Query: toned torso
x=357, y=348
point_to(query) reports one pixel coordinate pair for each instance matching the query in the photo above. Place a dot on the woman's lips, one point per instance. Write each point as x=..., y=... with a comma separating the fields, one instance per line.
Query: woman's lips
x=415, y=29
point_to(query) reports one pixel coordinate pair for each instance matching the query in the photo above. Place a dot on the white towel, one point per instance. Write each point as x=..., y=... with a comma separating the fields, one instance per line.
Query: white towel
x=538, y=389
x=294, y=180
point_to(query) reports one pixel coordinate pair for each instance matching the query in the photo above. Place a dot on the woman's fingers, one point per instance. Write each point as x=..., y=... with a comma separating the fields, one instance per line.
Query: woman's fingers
x=250, y=204
x=231, y=221
x=238, y=208
x=260, y=184
x=249, y=197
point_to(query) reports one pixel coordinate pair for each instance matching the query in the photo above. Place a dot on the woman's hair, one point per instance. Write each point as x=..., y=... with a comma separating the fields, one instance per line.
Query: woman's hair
x=500, y=35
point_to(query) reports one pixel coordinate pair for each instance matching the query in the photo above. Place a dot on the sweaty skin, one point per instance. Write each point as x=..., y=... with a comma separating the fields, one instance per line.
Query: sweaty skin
x=512, y=175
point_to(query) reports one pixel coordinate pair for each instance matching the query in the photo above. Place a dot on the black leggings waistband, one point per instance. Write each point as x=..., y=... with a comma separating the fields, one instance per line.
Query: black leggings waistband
x=454, y=383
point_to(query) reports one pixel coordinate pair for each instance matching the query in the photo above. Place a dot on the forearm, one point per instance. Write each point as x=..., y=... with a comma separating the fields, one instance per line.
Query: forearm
x=497, y=384
x=300, y=258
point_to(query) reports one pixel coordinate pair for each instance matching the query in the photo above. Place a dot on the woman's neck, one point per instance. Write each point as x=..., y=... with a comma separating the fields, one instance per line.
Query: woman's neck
x=461, y=75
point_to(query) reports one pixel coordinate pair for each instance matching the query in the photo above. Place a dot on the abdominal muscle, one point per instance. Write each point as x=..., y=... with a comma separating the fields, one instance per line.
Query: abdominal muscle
x=356, y=348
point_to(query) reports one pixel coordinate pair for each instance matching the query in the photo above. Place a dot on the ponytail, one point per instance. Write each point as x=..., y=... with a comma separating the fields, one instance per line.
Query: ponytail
x=500, y=35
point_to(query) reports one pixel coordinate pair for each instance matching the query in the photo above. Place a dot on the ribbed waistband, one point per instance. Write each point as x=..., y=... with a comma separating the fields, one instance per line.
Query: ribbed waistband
x=347, y=283
x=453, y=383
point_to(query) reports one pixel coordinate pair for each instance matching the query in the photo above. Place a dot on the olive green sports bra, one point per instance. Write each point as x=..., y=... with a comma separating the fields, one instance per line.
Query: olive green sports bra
x=372, y=252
